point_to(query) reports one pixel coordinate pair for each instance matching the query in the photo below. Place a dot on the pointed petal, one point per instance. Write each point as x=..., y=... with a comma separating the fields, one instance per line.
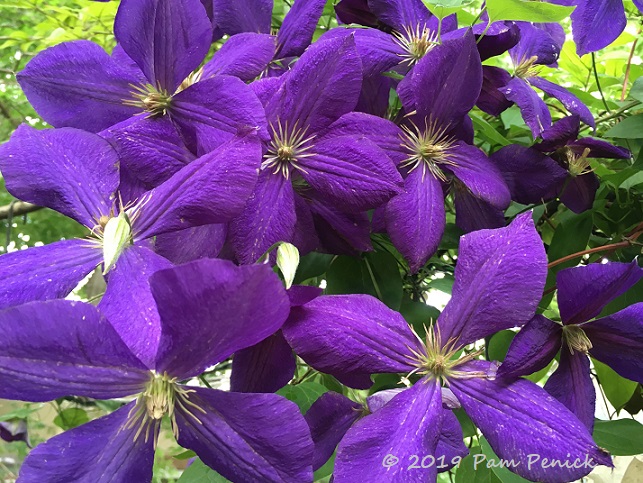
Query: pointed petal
x=77, y=84
x=571, y=384
x=268, y=217
x=60, y=348
x=472, y=213
x=47, y=272
x=451, y=448
x=351, y=173
x=167, y=39
x=583, y=291
x=245, y=55
x=495, y=38
x=532, y=348
x=100, y=451
x=415, y=219
x=525, y=424
x=599, y=148
x=491, y=100
x=212, y=189
x=71, y=171
x=298, y=27
x=401, y=14
x=579, y=192
x=534, y=42
x=329, y=418
x=533, y=109
x=408, y=425
x=215, y=308
x=323, y=85
x=472, y=166
x=214, y=110
x=351, y=335
x=236, y=16
x=499, y=280
x=205, y=241
x=530, y=175
x=618, y=342
x=247, y=437
x=265, y=367
x=572, y=103
x=150, y=148
x=444, y=86
x=609, y=14
x=340, y=232
x=562, y=132
x=128, y=303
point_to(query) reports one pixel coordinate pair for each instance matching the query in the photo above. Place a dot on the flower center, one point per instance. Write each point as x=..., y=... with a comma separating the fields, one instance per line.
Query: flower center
x=576, y=164
x=288, y=146
x=527, y=68
x=429, y=147
x=416, y=42
x=576, y=339
x=148, y=98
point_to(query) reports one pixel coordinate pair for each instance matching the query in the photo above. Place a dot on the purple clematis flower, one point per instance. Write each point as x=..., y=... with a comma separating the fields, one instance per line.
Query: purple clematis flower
x=76, y=173
x=433, y=148
x=499, y=280
x=557, y=166
x=537, y=46
x=56, y=348
x=308, y=166
x=153, y=71
x=616, y=340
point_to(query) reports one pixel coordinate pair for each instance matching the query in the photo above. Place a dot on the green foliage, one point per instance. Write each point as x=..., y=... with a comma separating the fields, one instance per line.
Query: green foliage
x=623, y=437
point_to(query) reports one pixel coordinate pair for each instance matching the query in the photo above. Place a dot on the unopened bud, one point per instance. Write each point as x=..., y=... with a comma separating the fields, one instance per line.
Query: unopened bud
x=288, y=261
x=116, y=236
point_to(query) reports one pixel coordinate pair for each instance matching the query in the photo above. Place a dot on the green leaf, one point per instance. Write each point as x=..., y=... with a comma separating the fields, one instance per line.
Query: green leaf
x=468, y=428
x=312, y=265
x=418, y=314
x=70, y=418
x=443, y=8
x=487, y=132
x=618, y=390
x=622, y=437
x=628, y=128
x=303, y=395
x=470, y=472
x=636, y=92
x=497, y=465
x=526, y=10
x=185, y=455
x=499, y=345
x=198, y=472
x=21, y=413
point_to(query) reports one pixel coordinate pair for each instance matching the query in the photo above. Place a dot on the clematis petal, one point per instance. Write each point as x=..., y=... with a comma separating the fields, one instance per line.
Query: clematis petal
x=499, y=280
x=215, y=308
x=578, y=192
x=329, y=417
x=533, y=109
x=617, y=341
x=572, y=103
x=68, y=170
x=474, y=169
x=532, y=348
x=530, y=175
x=472, y=213
x=268, y=217
x=491, y=100
x=211, y=189
x=495, y=38
x=609, y=14
x=214, y=110
x=408, y=425
x=265, y=367
x=340, y=232
x=599, y=148
x=374, y=98
x=401, y=14
x=245, y=55
x=356, y=11
x=525, y=424
x=571, y=384
x=46, y=272
x=167, y=39
x=100, y=451
x=323, y=85
x=415, y=220
x=561, y=133
x=351, y=173
x=128, y=303
x=205, y=241
x=444, y=85
x=149, y=148
x=77, y=84
x=351, y=335
x=534, y=42
x=59, y=348
x=247, y=437
x=583, y=291
x=451, y=449
x=302, y=294
x=236, y=16
x=297, y=29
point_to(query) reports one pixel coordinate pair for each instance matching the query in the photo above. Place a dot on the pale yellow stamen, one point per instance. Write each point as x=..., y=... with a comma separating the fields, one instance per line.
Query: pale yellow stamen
x=288, y=146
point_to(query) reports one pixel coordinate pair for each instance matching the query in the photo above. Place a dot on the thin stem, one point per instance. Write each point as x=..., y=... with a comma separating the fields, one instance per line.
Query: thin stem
x=612, y=246
x=375, y=284
x=598, y=84
x=629, y=65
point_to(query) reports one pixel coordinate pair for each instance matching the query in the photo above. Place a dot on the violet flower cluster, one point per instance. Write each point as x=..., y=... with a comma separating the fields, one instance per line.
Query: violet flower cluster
x=188, y=169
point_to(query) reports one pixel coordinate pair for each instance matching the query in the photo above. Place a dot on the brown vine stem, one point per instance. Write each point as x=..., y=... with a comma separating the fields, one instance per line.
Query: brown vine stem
x=629, y=65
